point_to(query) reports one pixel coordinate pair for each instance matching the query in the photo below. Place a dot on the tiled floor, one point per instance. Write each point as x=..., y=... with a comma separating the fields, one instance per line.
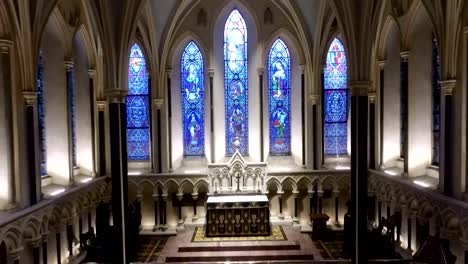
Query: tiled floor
x=294, y=237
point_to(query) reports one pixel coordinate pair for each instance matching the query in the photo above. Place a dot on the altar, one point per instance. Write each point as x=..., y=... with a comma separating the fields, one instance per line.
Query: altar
x=237, y=215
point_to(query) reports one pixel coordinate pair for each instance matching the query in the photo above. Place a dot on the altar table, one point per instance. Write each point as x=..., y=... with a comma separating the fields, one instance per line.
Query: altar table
x=237, y=215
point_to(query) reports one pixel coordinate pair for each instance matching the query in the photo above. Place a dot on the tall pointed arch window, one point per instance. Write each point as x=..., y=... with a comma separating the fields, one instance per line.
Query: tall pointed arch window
x=336, y=101
x=41, y=114
x=138, y=132
x=235, y=82
x=193, y=104
x=435, y=103
x=279, y=69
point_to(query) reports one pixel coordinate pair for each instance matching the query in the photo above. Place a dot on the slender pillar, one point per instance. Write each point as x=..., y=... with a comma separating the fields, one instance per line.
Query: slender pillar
x=359, y=168
x=212, y=138
x=336, y=193
x=372, y=139
x=311, y=202
x=409, y=231
x=280, y=200
x=388, y=209
x=157, y=148
x=314, y=100
x=261, y=72
x=404, y=109
x=94, y=139
x=155, y=207
x=164, y=210
x=381, y=111
x=302, y=68
x=101, y=105
x=322, y=85
x=71, y=120
x=45, y=238
x=14, y=256
x=195, y=198
x=58, y=247
x=32, y=182
x=118, y=145
x=169, y=111
x=315, y=200
x=7, y=117
x=295, y=195
x=446, y=173
x=70, y=240
x=180, y=196
x=36, y=249
x=320, y=195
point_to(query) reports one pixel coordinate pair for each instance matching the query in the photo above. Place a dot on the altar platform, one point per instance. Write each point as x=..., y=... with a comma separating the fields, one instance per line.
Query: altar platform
x=237, y=215
x=292, y=245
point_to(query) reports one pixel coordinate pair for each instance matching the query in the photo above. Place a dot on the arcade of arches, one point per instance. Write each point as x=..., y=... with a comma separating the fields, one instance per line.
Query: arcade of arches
x=156, y=105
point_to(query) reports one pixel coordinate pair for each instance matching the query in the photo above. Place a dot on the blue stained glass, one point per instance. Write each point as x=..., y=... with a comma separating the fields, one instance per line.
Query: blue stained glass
x=41, y=113
x=193, y=106
x=71, y=91
x=435, y=103
x=335, y=100
x=279, y=68
x=138, y=133
x=235, y=81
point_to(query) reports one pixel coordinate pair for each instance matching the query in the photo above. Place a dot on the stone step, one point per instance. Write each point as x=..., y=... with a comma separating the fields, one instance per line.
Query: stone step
x=239, y=248
x=239, y=258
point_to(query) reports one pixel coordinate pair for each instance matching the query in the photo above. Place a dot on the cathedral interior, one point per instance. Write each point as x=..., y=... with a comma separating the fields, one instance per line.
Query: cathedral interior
x=213, y=131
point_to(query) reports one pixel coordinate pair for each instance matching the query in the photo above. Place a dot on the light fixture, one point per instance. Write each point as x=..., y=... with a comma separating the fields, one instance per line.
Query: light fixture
x=85, y=180
x=134, y=173
x=391, y=172
x=191, y=171
x=56, y=192
x=341, y=167
x=421, y=183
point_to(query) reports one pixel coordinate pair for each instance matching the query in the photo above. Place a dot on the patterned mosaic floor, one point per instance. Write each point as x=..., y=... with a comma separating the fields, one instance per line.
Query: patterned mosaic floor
x=277, y=234
x=151, y=247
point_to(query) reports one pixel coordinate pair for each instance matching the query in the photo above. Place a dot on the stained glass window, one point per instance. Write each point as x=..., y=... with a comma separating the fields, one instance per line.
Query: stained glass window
x=71, y=91
x=279, y=69
x=41, y=113
x=435, y=103
x=193, y=104
x=138, y=132
x=336, y=101
x=236, y=86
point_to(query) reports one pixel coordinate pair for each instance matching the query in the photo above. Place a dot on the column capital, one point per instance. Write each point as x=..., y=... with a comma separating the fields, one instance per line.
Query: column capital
x=310, y=194
x=164, y=196
x=372, y=97
x=68, y=65
x=155, y=196
x=101, y=105
x=323, y=67
x=30, y=97
x=313, y=98
x=34, y=242
x=169, y=72
x=447, y=86
x=91, y=73
x=180, y=196
x=302, y=68
x=195, y=196
x=404, y=55
x=211, y=72
x=261, y=70
x=158, y=103
x=139, y=197
x=465, y=30
x=116, y=96
x=5, y=45
x=15, y=254
x=45, y=236
x=320, y=193
x=359, y=88
x=381, y=63
x=295, y=194
x=279, y=193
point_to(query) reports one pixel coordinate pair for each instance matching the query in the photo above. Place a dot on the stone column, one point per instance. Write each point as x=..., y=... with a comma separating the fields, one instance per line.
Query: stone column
x=94, y=138
x=15, y=255
x=58, y=244
x=33, y=181
x=164, y=213
x=195, y=198
x=336, y=194
x=314, y=99
x=45, y=238
x=155, y=201
x=404, y=109
x=295, y=218
x=180, y=196
x=71, y=120
x=70, y=237
x=212, y=138
x=320, y=202
x=35, y=244
x=261, y=72
x=311, y=204
x=6, y=50
x=139, y=199
x=280, y=199
x=169, y=119
x=101, y=137
x=372, y=139
x=302, y=68
x=157, y=148
x=118, y=150
x=381, y=110
x=359, y=168
x=446, y=176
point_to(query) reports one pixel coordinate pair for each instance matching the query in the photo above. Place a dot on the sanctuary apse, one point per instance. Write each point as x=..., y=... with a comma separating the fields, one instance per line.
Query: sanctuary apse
x=122, y=121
